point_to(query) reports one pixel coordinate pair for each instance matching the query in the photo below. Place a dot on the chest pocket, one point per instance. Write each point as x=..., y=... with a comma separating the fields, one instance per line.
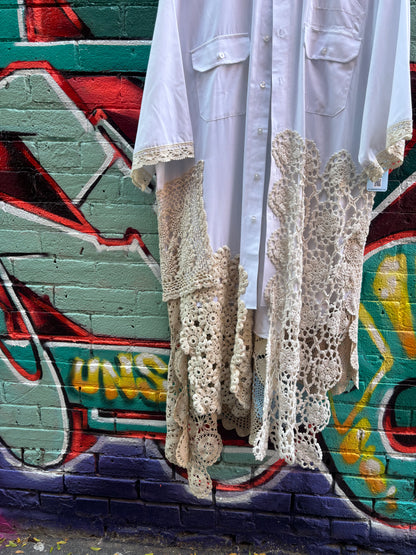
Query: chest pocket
x=221, y=73
x=330, y=58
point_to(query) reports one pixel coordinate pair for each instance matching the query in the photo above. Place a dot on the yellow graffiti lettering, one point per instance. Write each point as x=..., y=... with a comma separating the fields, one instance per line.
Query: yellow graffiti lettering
x=354, y=442
x=90, y=384
x=390, y=286
x=372, y=470
x=153, y=375
x=151, y=380
x=112, y=381
x=385, y=367
x=354, y=448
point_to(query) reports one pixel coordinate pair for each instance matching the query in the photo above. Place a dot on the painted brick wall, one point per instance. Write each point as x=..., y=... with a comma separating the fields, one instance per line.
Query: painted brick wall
x=84, y=335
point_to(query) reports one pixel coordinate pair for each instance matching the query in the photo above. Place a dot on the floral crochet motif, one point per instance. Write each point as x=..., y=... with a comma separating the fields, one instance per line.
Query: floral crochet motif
x=210, y=364
x=185, y=252
x=317, y=251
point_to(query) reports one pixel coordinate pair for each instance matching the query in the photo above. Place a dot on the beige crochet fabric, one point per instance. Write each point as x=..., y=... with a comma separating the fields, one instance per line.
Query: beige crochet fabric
x=210, y=363
x=314, y=295
x=313, y=301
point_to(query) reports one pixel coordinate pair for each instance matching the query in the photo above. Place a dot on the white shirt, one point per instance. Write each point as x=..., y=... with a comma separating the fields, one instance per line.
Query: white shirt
x=290, y=105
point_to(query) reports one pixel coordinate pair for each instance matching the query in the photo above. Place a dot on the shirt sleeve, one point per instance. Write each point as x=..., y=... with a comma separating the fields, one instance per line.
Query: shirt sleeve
x=387, y=116
x=164, y=132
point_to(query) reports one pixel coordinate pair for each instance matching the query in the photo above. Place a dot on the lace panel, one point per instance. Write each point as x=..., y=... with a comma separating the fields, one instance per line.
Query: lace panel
x=259, y=379
x=313, y=297
x=398, y=131
x=392, y=156
x=186, y=256
x=210, y=368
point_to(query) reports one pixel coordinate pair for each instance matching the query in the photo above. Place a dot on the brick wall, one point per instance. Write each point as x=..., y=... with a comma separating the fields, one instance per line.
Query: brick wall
x=84, y=333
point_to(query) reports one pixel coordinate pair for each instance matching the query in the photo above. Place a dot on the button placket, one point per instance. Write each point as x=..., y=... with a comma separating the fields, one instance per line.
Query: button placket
x=266, y=39
x=282, y=44
x=256, y=145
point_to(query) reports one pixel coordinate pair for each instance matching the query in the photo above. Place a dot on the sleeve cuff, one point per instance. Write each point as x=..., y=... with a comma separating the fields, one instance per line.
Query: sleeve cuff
x=392, y=156
x=145, y=160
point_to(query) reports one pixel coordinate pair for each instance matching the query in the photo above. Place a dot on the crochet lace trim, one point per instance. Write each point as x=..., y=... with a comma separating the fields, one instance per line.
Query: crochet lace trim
x=155, y=154
x=313, y=298
x=392, y=156
x=186, y=259
x=322, y=223
x=210, y=363
x=141, y=178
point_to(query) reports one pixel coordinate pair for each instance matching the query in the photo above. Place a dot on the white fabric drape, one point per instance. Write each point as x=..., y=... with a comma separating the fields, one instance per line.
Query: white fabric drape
x=263, y=121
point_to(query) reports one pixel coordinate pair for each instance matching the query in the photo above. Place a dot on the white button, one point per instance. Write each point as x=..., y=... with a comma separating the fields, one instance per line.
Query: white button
x=266, y=38
x=256, y=176
x=220, y=55
x=262, y=84
x=253, y=219
x=260, y=131
x=324, y=51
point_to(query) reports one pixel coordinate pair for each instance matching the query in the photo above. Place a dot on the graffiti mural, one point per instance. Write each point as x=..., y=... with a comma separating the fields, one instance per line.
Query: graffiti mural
x=66, y=146
x=86, y=378
x=96, y=382
x=63, y=20
x=65, y=151
x=84, y=335
x=372, y=436
x=374, y=433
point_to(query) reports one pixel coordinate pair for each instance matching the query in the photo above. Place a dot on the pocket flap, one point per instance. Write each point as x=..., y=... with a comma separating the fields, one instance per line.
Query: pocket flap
x=222, y=50
x=330, y=45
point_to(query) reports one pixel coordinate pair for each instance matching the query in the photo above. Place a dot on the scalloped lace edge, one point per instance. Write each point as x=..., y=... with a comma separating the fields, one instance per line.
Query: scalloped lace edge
x=317, y=252
x=392, y=156
x=153, y=155
x=211, y=330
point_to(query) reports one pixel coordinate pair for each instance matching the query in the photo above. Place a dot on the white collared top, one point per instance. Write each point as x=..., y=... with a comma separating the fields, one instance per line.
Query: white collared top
x=290, y=105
